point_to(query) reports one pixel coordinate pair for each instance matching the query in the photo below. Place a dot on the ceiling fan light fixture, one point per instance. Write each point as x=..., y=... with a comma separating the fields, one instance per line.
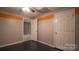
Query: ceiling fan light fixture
x=26, y=9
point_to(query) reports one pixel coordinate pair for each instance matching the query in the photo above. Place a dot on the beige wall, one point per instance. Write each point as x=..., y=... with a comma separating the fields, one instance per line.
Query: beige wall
x=11, y=31
x=45, y=31
x=60, y=31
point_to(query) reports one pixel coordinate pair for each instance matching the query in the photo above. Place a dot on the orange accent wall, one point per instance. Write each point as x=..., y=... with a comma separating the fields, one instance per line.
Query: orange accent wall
x=9, y=16
x=76, y=10
x=44, y=18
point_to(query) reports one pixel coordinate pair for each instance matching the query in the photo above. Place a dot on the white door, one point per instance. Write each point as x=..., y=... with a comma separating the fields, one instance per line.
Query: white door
x=65, y=30
x=34, y=29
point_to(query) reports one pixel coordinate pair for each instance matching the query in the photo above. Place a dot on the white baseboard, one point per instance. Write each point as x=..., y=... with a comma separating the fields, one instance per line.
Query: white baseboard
x=46, y=43
x=11, y=44
x=65, y=48
x=62, y=48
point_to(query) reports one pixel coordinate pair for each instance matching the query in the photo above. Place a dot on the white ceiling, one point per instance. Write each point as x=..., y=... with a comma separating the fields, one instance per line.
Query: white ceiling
x=36, y=11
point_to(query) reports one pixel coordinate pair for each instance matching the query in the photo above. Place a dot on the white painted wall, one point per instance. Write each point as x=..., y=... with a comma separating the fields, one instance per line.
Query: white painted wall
x=27, y=36
x=59, y=32
x=11, y=31
x=33, y=35
x=34, y=29
x=45, y=31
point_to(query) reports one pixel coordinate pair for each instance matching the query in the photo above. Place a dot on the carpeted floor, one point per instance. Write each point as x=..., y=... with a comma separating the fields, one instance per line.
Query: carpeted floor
x=29, y=46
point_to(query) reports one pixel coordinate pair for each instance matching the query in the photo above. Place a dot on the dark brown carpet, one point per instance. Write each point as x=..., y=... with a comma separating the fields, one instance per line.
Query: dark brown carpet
x=29, y=46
